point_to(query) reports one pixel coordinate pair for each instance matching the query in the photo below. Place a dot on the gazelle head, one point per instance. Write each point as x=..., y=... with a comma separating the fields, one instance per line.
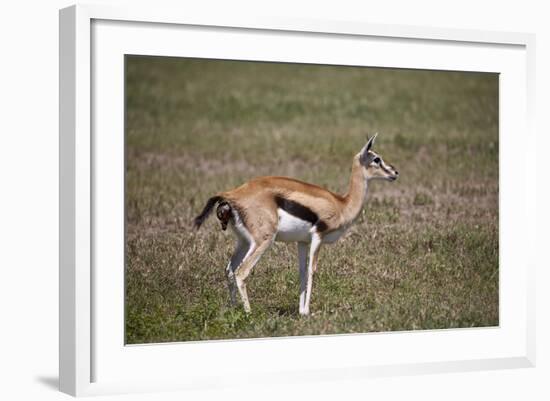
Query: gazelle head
x=374, y=166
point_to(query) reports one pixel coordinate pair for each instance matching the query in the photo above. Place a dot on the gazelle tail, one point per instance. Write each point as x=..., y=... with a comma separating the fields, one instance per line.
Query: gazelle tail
x=206, y=211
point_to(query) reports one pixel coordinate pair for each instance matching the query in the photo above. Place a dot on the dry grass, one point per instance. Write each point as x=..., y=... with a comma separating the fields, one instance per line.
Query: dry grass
x=424, y=253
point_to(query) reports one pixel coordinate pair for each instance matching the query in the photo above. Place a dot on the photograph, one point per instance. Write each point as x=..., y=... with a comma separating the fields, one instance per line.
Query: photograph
x=272, y=199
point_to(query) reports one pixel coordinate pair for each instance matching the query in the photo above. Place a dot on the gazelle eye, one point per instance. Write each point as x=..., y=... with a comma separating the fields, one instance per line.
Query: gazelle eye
x=376, y=160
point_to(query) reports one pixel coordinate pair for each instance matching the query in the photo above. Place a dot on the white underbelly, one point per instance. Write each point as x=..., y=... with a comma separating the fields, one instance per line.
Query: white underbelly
x=292, y=229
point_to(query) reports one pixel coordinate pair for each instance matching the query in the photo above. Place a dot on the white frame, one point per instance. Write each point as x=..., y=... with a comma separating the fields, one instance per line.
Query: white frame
x=76, y=341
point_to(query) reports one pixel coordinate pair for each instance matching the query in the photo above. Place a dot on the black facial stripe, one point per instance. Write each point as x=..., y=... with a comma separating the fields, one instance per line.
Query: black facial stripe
x=300, y=211
x=386, y=169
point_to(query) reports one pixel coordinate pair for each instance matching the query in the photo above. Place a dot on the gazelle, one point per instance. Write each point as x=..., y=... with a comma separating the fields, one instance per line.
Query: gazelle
x=268, y=209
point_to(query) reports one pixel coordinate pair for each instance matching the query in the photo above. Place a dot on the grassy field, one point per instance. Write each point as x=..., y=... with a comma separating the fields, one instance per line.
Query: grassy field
x=423, y=254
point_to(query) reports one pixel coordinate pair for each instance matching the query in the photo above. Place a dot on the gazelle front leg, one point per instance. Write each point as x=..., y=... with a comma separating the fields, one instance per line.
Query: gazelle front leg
x=302, y=260
x=312, y=265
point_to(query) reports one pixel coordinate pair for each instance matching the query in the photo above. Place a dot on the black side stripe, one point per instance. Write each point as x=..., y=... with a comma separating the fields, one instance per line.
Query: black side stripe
x=300, y=211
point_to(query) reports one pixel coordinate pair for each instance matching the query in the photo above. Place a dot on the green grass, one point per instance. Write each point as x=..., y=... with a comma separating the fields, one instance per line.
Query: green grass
x=424, y=252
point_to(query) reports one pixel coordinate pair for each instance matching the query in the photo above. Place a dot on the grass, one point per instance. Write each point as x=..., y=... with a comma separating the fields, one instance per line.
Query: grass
x=424, y=252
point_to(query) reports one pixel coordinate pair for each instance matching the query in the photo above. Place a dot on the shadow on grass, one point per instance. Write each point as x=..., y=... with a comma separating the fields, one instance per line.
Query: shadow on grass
x=287, y=311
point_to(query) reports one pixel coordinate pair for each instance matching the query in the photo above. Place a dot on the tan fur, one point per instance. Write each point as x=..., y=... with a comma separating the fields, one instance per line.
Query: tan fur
x=255, y=199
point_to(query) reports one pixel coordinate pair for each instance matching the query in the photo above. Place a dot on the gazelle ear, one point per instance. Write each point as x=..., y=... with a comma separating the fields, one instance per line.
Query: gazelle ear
x=366, y=148
x=371, y=142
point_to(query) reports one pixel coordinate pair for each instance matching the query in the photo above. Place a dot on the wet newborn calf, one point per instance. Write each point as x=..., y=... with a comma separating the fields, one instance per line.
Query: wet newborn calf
x=224, y=214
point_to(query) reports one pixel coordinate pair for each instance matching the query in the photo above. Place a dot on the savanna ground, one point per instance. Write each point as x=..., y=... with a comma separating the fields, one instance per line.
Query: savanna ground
x=422, y=255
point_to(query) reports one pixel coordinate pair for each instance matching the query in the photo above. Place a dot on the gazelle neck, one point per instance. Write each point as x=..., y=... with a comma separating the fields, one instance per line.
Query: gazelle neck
x=355, y=198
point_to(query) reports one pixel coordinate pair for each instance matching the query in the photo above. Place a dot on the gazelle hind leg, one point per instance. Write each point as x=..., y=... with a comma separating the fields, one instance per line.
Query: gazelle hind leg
x=235, y=261
x=246, y=267
x=302, y=261
x=312, y=266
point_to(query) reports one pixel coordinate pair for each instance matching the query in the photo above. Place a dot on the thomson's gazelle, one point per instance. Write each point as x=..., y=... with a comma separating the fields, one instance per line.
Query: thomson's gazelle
x=268, y=209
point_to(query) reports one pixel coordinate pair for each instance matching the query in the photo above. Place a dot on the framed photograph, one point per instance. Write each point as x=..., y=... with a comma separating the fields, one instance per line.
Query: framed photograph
x=292, y=200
